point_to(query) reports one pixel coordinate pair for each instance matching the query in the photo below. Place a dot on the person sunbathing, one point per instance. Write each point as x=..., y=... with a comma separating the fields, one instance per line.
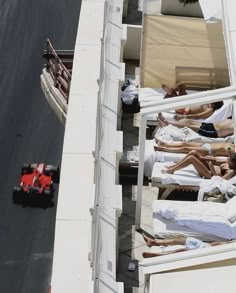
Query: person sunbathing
x=189, y=243
x=212, y=149
x=196, y=112
x=218, y=129
x=207, y=166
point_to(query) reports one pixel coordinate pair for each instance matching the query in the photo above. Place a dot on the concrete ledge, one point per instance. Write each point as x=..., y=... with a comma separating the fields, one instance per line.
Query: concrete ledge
x=55, y=99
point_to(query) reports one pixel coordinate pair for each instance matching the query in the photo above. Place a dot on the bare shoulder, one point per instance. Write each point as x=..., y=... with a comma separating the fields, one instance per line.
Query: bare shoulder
x=206, y=106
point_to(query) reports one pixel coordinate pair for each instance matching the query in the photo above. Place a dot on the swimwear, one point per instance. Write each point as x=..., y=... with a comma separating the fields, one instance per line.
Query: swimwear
x=183, y=111
x=207, y=146
x=193, y=243
x=207, y=129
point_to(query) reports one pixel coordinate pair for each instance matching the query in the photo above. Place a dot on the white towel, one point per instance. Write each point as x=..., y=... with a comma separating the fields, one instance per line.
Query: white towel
x=129, y=93
x=167, y=213
x=225, y=186
x=218, y=226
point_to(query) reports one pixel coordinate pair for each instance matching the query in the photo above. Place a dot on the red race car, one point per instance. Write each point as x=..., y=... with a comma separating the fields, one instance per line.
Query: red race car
x=36, y=183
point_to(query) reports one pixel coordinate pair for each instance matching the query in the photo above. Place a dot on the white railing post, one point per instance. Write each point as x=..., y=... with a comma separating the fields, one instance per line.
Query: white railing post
x=142, y=139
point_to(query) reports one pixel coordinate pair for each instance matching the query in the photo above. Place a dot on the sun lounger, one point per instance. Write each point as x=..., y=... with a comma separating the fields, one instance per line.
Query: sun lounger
x=171, y=133
x=221, y=114
x=204, y=220
x=151, y=157
x=185, y=179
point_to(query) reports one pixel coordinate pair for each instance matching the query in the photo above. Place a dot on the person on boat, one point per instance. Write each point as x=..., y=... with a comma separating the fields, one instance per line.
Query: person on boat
x=211, y=148
x=207, y=166
x=189, y=243
x=195, y=112
x=218, y=129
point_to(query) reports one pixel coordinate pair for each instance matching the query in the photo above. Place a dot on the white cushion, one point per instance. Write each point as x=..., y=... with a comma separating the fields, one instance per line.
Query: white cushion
x=231, y=209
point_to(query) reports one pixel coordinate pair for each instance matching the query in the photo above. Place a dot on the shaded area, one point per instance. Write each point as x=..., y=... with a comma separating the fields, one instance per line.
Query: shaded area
x=126, y=221
x=29, y=132
x=128, y=177
x=184, y=195
x=134, y=16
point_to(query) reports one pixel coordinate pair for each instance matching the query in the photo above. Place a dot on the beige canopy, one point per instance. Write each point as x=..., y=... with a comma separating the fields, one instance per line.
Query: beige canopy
x=183, y=49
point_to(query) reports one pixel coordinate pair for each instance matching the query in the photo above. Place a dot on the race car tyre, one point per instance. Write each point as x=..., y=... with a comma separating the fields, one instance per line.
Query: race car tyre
x=53, y=171
x=48, y=193
x=26, y=169
x=16, y=194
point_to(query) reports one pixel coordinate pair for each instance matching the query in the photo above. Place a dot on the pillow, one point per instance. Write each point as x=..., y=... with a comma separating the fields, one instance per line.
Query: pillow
x=231, y=209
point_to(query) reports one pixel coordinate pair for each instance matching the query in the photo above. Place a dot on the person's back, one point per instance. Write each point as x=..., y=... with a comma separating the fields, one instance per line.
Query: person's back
x=221, y=148
x=201, y=108
x=195, y=112
x=196, y=109
x=224, y=128
x=198, y=112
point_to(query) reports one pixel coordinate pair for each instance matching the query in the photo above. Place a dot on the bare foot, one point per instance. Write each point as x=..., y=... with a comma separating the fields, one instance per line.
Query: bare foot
x=162, y=123
x=161, y=117
x=150, y=242
x=178, y=117
x=166, y=88
x=170, y=92
x=181, y=88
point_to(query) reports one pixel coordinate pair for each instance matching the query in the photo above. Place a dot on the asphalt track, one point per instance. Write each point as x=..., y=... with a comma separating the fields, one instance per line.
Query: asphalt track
x=29, y=132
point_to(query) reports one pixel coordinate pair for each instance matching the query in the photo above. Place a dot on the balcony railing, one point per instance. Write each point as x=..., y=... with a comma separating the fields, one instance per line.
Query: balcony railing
x=59, y=66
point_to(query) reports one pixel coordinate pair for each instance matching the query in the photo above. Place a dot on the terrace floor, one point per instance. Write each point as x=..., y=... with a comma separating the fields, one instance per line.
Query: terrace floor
x=131, y=244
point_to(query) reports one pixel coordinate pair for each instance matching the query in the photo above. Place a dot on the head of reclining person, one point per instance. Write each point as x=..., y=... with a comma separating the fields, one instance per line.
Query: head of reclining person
x=232, y=161
x=217, y=105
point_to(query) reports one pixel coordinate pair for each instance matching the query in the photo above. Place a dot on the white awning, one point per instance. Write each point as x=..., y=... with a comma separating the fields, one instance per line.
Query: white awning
x=217, y=280
x=211, y=9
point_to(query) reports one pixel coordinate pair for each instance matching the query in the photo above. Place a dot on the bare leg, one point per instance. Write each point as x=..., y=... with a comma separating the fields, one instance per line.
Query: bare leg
x=192, y=153
x=183, y=149
x=178, y=124
x=195, y=154
x=153, y=254
x=177, y=144
x=194, y=125
x=181, y=88
x=162, y=123
x=166, y=144
x=200, y=167
x=223, y=242
x=164, y=242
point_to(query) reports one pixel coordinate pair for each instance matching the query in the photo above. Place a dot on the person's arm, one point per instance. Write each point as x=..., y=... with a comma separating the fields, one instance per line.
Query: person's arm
x=204, y=159
x=204, y=114
x=229, y=174
x=209, y=158
x=212, y=168
x=218, y=161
